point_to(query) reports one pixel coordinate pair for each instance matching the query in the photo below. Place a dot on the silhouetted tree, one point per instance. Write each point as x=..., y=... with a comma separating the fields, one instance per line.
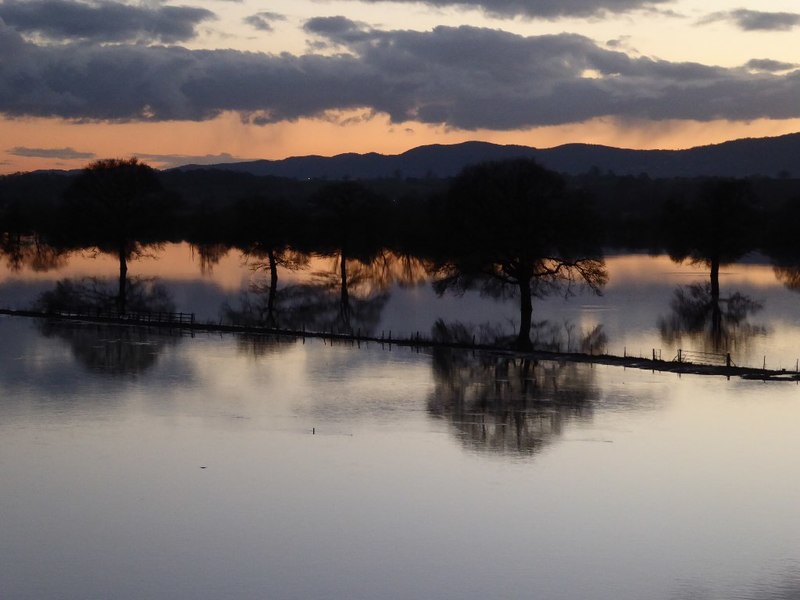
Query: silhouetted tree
x=714, y=229
x=264, y=229
x=118, y=206
x=348, y=219
x=511, y=230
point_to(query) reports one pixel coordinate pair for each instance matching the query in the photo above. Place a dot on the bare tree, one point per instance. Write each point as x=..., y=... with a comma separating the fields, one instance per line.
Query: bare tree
x=509, y=229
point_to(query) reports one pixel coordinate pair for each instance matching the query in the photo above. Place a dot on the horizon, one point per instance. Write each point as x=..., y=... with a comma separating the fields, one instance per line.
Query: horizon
x=210, y=81
x=178, y=165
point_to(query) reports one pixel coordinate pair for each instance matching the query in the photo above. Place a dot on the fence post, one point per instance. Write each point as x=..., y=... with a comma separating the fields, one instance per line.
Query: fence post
x=728, y=360
x=680, y=358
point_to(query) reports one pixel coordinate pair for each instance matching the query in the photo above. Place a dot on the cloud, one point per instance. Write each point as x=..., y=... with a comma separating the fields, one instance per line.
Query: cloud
x=548, y=9
x=459, y=77
x=263, y=20
x=752, y=20
x=769, y=65
x=61, y=153
x=103, y=21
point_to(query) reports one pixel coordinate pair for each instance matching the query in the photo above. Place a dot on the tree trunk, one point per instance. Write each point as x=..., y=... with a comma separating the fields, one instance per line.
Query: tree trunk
x=344, y=300
x=715, y=279
x=525, y=315
x=717, y=337
x=273, y=288
x=123, y=279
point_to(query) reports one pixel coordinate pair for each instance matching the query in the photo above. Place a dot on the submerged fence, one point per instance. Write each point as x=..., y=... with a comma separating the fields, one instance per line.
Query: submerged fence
x=686, y=361
x=704, y=358
x=177, y=319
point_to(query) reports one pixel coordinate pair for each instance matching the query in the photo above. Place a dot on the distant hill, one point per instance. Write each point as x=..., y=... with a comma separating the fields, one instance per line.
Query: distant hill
x=770, y=157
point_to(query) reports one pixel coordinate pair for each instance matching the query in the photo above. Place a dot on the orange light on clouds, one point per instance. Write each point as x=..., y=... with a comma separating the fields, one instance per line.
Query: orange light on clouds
x=354, y=131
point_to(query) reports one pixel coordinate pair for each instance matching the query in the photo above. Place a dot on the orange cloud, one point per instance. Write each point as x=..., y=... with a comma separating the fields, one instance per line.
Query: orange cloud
x=353, y=131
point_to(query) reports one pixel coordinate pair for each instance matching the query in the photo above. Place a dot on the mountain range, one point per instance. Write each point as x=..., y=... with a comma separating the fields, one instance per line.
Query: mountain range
x=768, y=157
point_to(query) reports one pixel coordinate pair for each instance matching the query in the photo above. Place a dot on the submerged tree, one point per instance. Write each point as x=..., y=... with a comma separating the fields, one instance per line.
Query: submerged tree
x=348, y=223
x=118, y=206
x=510, y=230
x=264, y=227
x=713, y=229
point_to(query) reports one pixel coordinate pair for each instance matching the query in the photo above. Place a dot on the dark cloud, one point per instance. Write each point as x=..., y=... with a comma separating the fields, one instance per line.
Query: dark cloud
x=103, y=21
x=461, y=77
x=548, y=9
x=263, y=20
x=753, y=20
x=769, y=65
x=62, y=153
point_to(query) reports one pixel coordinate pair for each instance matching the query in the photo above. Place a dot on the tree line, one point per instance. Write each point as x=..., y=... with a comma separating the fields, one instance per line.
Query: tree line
x=508, y=229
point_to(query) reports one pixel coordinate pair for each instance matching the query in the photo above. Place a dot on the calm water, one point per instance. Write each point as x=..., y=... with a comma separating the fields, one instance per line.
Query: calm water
x=141, y=465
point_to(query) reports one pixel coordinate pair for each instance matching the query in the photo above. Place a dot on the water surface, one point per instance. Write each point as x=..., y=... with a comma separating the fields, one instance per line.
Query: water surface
x=141, y=465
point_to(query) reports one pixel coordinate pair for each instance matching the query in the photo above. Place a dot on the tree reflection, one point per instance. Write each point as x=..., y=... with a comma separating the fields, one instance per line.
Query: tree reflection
x=717, y=324
x=94, y=294
x=30, y=251
x=788, y=275
x=110, y=349
x=505, y=404
x=264, y=307
x=209, y=254
x=348, y=297
x=259, y=346
x=326, y=304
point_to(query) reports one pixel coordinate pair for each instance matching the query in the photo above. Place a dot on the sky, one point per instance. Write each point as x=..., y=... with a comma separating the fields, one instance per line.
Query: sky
x=200, y=81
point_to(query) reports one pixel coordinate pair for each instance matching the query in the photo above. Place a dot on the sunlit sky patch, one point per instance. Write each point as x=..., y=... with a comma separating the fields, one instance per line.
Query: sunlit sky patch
x=219, y=80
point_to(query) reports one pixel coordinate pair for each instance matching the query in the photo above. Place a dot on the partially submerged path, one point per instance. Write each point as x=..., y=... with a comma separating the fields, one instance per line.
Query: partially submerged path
x=187, y=322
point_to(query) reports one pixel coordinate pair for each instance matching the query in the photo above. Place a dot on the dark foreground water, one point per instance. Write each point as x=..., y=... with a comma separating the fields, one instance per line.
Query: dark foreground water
x=138, y=465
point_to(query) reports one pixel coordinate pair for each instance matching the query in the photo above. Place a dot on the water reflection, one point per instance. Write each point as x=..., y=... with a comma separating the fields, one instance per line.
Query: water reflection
x=503, y=404
x=209, y=255
x=94, y=294
x=715, y=324
x=110, y=349
x=347, y=297
x=259, y=346
x=264, y=307
x=30, y=252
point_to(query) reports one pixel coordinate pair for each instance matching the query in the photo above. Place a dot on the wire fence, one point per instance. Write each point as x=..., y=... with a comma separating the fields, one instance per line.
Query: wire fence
x=704, y=358
x=145, y=317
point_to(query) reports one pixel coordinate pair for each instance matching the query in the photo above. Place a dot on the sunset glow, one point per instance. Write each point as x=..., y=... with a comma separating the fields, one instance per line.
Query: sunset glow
x=217, y=81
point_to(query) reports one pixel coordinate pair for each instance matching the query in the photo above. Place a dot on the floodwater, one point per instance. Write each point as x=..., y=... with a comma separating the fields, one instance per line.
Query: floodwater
x=139, y=464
